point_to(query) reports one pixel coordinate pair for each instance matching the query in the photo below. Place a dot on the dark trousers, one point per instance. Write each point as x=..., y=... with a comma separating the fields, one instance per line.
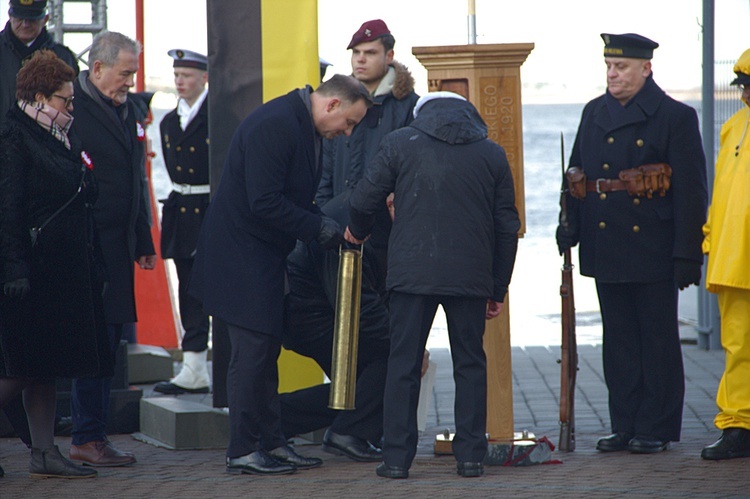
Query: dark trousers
x=89, y=399
x=194, y=320
x=307, y=410
x=411, y=319
x=252, y=388
x=642, y=358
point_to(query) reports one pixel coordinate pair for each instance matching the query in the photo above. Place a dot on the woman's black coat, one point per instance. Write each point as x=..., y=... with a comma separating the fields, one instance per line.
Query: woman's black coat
x=58, y=329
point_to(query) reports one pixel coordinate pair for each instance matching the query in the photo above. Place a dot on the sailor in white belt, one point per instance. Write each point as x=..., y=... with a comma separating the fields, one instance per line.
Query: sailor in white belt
x=184, y=139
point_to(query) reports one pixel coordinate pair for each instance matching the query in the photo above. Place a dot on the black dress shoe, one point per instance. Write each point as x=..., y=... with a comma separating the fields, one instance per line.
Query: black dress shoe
x=171, y=389
x=468, y=469
x=63, y=426
x=734, y=442
x=640, y=445
x=286, y=454
x=615, y=442
x=258, y=463
x=354, y=448
x=391, y=471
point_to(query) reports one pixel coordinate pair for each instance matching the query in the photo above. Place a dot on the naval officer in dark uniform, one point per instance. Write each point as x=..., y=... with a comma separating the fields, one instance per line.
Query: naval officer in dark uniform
x=184, y=144
x=637, y=202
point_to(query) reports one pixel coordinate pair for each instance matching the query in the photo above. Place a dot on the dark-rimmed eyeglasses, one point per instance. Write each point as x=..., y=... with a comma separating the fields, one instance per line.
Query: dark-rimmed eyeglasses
x=68, y=100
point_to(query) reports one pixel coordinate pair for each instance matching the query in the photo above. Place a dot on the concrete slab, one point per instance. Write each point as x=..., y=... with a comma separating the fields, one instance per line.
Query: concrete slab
x=148, y=364
x=181, y=424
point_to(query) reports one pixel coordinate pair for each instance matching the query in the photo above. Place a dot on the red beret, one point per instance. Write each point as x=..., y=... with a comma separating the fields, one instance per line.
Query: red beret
x=368, y=32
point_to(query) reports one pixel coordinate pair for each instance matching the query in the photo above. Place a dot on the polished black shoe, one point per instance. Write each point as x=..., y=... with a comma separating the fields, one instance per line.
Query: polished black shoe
x=63, y=426
x=287, y=455
x=615, y=442
x=468, y=469
x=734, y=442
x=354, y=448
x=640, y=445
x=171, y=389
x=258, y=463
x=391, y=471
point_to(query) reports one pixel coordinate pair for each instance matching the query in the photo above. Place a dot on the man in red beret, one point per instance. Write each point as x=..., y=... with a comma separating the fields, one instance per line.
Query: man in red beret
x=352, y=433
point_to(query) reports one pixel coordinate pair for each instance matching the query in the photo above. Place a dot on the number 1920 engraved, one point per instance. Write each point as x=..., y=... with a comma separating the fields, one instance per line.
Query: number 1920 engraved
x=499, y=112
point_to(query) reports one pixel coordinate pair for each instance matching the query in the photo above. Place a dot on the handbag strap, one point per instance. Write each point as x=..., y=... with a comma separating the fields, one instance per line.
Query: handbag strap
x=61, y=208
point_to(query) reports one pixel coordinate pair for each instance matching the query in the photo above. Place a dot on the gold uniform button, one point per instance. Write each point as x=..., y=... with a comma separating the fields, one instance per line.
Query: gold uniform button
x=178, y=148
x=197, y=210
x=602, y=225
x=636, y=228
x=636, y=201
x=190, y=170
x=183, y=210
x=166, y=137
x=168, y=145
x=179, y=168
x=611, y=140
x=639, y=142
x=603, y=196
x=605, y=166
x=206, y=141
x=192, y=149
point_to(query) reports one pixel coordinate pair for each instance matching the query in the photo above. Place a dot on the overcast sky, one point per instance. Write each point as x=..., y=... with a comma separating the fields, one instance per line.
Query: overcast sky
x=565, y=65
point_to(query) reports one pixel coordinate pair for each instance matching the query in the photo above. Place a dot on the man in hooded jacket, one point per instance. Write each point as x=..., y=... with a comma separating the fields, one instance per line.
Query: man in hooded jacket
x=453, y=243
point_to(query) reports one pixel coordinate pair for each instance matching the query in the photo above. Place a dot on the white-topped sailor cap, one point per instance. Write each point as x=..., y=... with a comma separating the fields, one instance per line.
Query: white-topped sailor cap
x=188, y=59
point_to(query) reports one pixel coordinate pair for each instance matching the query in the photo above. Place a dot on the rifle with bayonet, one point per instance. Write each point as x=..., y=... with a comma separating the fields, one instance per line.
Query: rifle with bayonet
x=569, y=350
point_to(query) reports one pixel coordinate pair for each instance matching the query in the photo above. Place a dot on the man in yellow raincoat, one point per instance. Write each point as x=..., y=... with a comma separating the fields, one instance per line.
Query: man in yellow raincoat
x=727, y=243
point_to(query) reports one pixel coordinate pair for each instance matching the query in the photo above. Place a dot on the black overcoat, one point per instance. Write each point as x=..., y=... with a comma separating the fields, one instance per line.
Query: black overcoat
x=186, y=157
x=58, y=329
x=627, y=239
x=13, y=53
x=117, y=150
x=263, y=204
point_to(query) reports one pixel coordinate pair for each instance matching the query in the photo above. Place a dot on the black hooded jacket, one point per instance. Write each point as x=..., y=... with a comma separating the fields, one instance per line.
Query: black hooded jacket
x=456, y=224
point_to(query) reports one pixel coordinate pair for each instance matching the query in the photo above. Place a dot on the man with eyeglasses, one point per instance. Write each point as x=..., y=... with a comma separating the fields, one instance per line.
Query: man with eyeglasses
x=727, y=245
x=24, y=34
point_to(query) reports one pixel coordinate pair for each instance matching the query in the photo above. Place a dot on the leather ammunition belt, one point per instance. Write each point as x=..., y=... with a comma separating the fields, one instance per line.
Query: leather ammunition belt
x=187, y=189
x=601, y=185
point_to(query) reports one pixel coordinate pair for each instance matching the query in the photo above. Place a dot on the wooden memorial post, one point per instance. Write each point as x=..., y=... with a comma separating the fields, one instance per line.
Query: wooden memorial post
x=489, y=76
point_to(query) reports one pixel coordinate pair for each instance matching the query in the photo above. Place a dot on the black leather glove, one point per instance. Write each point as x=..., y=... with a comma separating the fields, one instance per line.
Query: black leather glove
x=17, y=288
x=565, y=238
x=686, y=272
x=330, y=234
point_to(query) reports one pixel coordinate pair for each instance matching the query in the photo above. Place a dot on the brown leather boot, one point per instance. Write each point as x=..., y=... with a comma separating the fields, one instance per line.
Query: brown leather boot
x=100, y=453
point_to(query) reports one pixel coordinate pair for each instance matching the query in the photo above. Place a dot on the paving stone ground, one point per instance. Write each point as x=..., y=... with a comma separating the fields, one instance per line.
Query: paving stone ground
x=679, y=472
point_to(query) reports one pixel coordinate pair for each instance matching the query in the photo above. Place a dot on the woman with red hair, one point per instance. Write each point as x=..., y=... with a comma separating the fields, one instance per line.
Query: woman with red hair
x=51, y=312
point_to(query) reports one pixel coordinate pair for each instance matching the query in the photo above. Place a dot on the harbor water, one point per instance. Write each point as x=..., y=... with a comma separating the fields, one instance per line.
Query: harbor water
x=534, y=299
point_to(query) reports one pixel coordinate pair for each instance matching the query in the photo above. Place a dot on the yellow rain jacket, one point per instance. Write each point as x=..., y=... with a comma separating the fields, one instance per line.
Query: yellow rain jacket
x=727, y=229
